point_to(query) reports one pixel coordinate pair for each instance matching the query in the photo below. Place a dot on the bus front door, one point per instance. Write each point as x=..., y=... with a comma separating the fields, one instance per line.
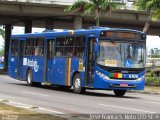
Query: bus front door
x=90, y=60
x=20, y=59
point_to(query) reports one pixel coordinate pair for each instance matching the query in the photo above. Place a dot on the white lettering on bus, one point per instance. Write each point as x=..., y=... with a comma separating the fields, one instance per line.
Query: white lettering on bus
x=133, y=76
x=32, y=63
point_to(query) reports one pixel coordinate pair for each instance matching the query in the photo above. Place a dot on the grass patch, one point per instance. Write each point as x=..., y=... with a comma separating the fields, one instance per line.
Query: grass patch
x=14, y=113
x=152, y=88
x=152, y=79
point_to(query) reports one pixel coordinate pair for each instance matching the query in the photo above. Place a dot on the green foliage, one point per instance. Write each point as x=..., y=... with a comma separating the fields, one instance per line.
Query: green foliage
x=2, y=32
x=157, y=82
x=152, y=6
x=93, y=6
x=2, y=52
x=152, y=79
x=78, y=4
x=155, y=56
x=156, y=14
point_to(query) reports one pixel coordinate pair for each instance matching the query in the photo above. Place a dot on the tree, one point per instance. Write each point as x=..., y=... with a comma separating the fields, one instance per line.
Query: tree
x=2, y=32
x=94, y=6
x=151, y=6
x=151, y=51
x=1, y=52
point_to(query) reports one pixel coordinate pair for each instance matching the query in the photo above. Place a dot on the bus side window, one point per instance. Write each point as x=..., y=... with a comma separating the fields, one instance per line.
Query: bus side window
x=38, y=51
x=29, y=48
x=39, y=47
x=80, y=46
x=14, y=48
x=69, y=46
x=60, y=43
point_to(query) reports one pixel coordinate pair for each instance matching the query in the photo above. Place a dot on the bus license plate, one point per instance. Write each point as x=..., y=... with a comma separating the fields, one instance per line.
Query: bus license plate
x=124, y=85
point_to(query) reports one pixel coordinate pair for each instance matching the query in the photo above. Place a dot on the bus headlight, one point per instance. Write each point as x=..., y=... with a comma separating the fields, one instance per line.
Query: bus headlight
x=102, y=75
x=141, y=78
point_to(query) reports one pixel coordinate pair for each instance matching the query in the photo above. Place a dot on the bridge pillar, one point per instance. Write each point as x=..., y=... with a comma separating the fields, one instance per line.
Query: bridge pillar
x=50, y=24
x=28, y=26
x=8, y=29
x=77, y=22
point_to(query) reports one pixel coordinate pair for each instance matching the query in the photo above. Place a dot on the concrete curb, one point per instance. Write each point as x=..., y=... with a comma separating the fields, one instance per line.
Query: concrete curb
x=146, y=92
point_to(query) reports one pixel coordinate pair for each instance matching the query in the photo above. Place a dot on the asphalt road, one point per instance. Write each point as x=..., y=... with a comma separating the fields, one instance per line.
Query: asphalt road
x=59, y=101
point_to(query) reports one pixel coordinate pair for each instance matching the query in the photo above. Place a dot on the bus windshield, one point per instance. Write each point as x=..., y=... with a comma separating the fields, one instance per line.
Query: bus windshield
x=122, y=54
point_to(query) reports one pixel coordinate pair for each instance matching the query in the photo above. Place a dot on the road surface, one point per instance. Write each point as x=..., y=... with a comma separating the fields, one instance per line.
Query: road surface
x=58, y=101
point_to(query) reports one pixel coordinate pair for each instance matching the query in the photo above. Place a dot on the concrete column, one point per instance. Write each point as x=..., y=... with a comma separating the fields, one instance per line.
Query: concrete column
x=50, y=24
x=28, y=26
x=77, y=22
x=8, y=29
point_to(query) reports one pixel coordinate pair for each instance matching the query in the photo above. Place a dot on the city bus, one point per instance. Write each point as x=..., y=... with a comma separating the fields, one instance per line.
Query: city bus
x=98, y=58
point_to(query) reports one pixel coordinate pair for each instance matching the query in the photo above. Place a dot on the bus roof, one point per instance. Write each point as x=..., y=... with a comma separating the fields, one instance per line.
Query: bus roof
x=95, y=31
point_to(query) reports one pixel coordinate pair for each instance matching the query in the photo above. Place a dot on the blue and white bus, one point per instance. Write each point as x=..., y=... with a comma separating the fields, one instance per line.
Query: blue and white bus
x=97, y=58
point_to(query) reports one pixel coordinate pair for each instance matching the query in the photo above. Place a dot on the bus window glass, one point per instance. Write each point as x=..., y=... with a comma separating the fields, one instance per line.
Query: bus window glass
x=29, y=48
x=39, y=47
x=60, y=43
x=80, y=46
x=69, y=46
x=14, y=48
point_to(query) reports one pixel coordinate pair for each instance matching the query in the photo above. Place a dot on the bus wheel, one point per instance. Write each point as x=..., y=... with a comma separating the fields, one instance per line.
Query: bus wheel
x=29, y=78
x=119, y=93
x=77, y=87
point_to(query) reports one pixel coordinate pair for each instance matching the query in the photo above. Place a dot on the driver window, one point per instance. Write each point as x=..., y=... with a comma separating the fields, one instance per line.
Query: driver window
x=80, y=46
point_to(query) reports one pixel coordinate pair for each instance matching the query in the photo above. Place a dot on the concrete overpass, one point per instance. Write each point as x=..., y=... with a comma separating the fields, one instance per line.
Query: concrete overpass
x=50, y=14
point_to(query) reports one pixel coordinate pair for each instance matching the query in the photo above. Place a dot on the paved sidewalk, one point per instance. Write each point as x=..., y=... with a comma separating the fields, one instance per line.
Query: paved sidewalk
x=150, y=90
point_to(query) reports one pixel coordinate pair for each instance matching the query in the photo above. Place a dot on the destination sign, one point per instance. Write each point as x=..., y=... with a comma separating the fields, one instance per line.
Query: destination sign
x=122, y=35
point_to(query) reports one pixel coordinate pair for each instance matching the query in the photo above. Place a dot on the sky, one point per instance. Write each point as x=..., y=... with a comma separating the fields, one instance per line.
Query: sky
x=152, y=41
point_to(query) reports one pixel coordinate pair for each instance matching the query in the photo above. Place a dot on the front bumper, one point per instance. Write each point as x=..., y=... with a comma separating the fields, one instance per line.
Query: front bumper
x=116, y=84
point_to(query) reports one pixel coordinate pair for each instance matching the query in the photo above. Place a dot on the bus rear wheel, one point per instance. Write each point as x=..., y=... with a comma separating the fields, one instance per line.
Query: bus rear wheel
x=29, y=79
x=77, y=87
x=119, y=93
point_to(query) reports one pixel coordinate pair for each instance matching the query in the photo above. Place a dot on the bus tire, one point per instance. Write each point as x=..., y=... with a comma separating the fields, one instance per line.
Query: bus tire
x=119, y=93
x=77, y=87
x=29, y=78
